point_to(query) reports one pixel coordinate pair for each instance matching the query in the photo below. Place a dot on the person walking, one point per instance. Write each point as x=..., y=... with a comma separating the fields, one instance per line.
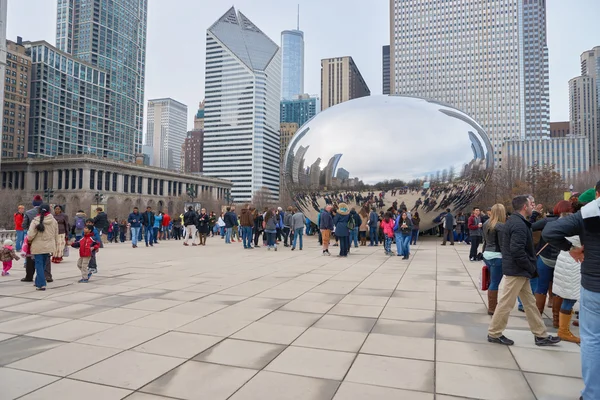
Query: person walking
x=492, y=256
x=474, y=224
x=287, y=232
x=403, y=227
x=414, y=234
x=148, y=223
x=18, y=220
x=157, y=228
x=342, y=231
x=448, y=228
x=388, y=224
x=63, y=231
x=373, y=227
x=258, y=226
x=177, y=227
x=122, y=231
x=101, y=223
x=28, y=217
x=7, y=255
x=135, y=223
x=326, y=226
x=190, y=220
x=586, y=224
x=87, y=246
x=43, y=240
x=518, y=266
x=297, y=227
x=354, y=222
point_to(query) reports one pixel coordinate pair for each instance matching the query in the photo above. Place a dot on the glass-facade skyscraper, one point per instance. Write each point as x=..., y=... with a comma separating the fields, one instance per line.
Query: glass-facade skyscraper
x=111, y=35
x=292, y=64
x=299, y=110
x=241, y=109
x=489, y=59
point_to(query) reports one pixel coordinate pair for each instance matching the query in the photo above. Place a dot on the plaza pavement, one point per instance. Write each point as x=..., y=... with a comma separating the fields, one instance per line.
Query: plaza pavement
x=219, y=322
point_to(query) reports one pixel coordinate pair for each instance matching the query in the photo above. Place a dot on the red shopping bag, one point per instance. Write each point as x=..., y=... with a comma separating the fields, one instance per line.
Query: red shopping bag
x=484, y=278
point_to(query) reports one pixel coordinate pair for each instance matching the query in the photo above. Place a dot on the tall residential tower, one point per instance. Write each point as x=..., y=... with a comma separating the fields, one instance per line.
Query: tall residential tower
x=241, y=114
x=167, y=130
x=341, y=81
x=110, y=36
x=489, y=59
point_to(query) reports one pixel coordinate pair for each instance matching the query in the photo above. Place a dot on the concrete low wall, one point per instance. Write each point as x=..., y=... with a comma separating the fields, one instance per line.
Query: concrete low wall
x=12, y=235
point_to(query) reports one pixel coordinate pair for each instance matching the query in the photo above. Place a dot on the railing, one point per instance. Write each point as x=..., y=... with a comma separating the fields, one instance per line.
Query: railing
x=12, y=235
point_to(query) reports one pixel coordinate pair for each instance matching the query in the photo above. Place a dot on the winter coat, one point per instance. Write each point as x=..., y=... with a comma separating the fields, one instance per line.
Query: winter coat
x=364, y=226
x=86, y=245
x=135, y=220
x=101, y=221
x=158, y=221
x=473, y=225
x=388, y=227
x=373, y=219
x=271, y=224
x=567, y=274
x=516, y=245
x=18, y=218
x=287, y=220
x=63, y=223
x=297, y=221
x=490, y=236
x=341, y=225
x=586, y=224
x=415, y=221
x=28, y=217
x=246, y=218
x=7, y=253
x=148, y=219
x=176, y=222
x=166, y=220
x=398, y=226
x=46, y=242
x=190, y=218
x=357, y=219
x=549, y=253
x=203, y=223
x=79, y=216
x=230, y=219
x=449, y=221
x=326, y=221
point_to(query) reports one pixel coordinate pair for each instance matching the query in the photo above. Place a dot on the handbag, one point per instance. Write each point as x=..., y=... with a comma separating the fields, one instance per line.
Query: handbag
x=484, y=278
x=66, y=251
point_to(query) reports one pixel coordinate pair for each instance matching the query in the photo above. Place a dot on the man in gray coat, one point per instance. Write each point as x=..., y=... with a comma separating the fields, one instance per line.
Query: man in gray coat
x=448, y=227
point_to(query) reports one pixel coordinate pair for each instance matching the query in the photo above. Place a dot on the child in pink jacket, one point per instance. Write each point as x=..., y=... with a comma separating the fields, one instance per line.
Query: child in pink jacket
x=388, y=232
x=7, y=255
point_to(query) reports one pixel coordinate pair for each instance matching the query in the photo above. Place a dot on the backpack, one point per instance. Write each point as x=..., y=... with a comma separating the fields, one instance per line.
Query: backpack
x=351, y=224
x=79, y=223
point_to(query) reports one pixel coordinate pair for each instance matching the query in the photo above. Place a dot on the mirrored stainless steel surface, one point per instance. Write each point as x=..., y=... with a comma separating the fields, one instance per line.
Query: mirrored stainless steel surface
x=388, y=151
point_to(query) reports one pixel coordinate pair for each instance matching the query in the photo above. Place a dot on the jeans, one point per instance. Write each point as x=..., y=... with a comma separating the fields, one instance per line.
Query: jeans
x=228, y=234
x=271, y=239
x=222, y=231
x=135, y=232
x=155, y=234
x=461, y=236
x=286, y=235
x=567, y=305
x=495, y=266
x=40, y=265
x=148, y=231
x=344, y=245
x=546, y=276
x=398, y=237
x=373, y=235
x=405, y=244
x=297, y=234
x=475, y=240
x=589, y=329
x=414, y=235
x=247, y=236
x=20, y=238
x=354, y=236
x=533, y=283
x=387, y=245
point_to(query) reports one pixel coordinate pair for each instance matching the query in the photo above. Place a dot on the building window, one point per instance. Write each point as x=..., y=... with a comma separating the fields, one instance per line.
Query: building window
x=155, y=191
x=37, y=180
x=60, y=179
x=45, y=180
x=126, y=183
x=114, y=181
x=100, y=176
x=139, y=184
x=92, y=179
x=107, y=177
x=67, y=172
x=162, y=185
x=149, y=186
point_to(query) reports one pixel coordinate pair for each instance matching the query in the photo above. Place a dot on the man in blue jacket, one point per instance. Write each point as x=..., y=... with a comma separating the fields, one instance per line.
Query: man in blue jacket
x=230, y=219
x=373, y=234
x=326, y=226
x=135, y=222
x=148, y=222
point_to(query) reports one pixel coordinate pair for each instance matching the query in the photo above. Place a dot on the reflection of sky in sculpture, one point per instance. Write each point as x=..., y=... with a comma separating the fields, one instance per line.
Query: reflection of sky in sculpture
x=381, y=138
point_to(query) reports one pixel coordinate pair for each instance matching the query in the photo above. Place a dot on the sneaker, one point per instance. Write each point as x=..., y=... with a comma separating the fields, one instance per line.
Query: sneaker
x=275, y=248
x=26, y=280
x=41, y=288
x=49, y=280
x=89, y=275
x=547, y=341
x=501, y=340
x=3, y=273
x=83, y=281
x=293, y=248
x=185, y=244
x=521, y=309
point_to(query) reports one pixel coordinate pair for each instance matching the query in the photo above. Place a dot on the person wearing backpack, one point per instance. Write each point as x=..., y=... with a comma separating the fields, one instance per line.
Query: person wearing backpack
x=297, y=227
x=80, y=218
x=354, y=222
x=340, y=222
x=403, y=230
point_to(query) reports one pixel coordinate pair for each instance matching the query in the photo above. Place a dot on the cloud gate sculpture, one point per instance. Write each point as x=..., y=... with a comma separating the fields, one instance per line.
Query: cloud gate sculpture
x=388, y=151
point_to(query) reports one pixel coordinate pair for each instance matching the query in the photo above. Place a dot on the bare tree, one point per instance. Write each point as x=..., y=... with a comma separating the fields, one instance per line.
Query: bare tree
x=8, y=207
x=262, y=198
x=586, y=180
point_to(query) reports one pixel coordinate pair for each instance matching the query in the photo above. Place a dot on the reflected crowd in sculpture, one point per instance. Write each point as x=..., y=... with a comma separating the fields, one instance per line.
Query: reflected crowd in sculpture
x=388, y=151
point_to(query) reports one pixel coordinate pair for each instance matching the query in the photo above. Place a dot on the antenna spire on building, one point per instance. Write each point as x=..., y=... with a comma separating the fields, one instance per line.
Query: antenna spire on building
x=298, y=17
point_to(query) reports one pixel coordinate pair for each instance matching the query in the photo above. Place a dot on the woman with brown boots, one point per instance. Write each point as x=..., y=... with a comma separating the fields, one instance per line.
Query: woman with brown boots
x=491, y=255
x=567, y=278
x=364, y=226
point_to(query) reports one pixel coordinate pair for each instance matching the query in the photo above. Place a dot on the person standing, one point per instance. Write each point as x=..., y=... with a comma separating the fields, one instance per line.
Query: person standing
x=7, y=255
x=461, y=226
x=518, y=267
x=203, y=226
x=448, y=228
x=101, y=223
x=403, y=228
x=135, y=223
x=148, y=222
x=326, y=226
x=297, y=227
x=474, y=224
x=270, y=225
x=492, y=257
x=177, y=227
x=79, y=224
x=373, y=227
x=166, y=221
x=43, y=240
x=63, y=231
x=157, y=228
x=190, y=220
x=258, y=227
x=340, y=221
x=29, y=261
x=414, y=234
x=354, y=223
x=18, y=219
x=287, y=227
x=246, y=223
x=586, y=224
x=364, y=226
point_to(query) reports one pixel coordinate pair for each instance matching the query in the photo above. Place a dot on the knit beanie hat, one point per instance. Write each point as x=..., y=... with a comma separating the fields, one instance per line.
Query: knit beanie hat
x=9, y=242
x=588, y=196
x=37, y=200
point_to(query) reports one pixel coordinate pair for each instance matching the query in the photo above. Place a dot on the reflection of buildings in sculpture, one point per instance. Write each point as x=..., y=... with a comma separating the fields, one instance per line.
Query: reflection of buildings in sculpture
x=342, y=174
x=298, y=165
x=315, y=172
x=329, y=170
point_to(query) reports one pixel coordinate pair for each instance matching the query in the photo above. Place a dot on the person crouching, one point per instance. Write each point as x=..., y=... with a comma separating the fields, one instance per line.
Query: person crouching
x=87, y=245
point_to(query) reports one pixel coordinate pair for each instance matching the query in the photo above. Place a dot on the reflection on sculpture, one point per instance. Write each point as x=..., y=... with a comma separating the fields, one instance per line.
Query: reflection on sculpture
x=388, y=151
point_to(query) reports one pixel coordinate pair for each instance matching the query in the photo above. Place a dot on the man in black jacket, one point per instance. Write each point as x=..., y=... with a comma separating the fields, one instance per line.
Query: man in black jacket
x=148, y=222
x=101, y=224
x=190, y=220
x=518, y=267
x=586, y=224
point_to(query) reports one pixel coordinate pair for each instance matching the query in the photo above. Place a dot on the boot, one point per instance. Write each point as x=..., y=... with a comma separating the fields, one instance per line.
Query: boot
x=556, y=303
x=563, y=331
x=550, y=296
x=492, y=301
x=540, y=302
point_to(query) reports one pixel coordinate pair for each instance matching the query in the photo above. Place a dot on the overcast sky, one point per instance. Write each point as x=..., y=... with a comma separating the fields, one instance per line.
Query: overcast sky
x=332, y=28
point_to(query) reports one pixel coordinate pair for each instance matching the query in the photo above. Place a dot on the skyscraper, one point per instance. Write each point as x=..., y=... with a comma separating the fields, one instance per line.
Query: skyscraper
x=385, y=70
x=241, y=115
x=167, y=130
x=292, y=64
x=111, y=37
x=3, y=13
x=299, y=110
x=489, y=60
x=341, y=81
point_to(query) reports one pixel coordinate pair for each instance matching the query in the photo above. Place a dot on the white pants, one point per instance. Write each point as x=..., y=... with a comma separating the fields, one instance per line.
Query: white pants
x=190, y=230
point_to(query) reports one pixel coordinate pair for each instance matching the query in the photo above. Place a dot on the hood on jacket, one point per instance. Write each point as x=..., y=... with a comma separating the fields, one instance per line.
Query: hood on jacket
x=81, y=215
